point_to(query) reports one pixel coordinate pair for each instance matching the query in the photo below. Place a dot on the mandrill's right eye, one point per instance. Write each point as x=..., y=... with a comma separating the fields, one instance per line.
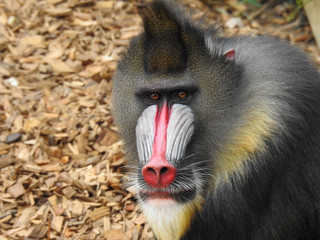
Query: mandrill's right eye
x=154, y=96
x=182, y=95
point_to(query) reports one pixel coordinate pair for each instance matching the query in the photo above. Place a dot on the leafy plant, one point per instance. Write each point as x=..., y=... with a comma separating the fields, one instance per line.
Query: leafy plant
x=252, y=2
x=300, y=4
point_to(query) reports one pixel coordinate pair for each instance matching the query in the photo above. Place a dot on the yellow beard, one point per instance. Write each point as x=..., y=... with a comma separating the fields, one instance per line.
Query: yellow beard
x=168, y=219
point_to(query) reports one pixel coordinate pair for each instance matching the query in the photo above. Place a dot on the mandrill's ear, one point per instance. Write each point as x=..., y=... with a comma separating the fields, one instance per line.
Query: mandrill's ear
x=230, y=55
x=164, y=48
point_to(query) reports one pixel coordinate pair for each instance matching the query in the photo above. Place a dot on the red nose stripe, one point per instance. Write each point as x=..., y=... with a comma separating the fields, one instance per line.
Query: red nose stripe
x=158, y=172
x=160, y=139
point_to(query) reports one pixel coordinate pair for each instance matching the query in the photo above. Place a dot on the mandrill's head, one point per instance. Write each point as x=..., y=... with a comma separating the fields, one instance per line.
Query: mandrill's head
x=176, y=102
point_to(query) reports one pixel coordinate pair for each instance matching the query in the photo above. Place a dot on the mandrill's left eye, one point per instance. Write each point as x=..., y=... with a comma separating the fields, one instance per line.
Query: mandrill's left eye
x=182, y=95
x=154, y=96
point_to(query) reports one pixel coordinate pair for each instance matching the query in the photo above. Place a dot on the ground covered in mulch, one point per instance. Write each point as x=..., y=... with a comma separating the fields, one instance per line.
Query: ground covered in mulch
x=61, y=160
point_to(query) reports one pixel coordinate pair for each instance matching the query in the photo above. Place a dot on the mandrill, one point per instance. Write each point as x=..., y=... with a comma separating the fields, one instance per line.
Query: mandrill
x=223, y=134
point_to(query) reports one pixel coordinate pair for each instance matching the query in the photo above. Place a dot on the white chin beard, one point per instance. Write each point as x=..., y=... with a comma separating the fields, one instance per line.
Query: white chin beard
x=168, y=218
x=161, y=202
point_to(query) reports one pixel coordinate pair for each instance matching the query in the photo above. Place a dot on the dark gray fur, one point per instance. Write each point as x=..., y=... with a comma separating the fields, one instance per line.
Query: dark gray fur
x=279, y=196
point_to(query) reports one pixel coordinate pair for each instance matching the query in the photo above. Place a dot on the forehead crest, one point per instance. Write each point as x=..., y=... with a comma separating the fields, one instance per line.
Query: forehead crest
x=164, y=50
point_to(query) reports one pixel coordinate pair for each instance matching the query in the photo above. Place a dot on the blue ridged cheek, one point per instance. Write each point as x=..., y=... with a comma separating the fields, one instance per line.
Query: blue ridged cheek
x=145, y=131
x=179, y=132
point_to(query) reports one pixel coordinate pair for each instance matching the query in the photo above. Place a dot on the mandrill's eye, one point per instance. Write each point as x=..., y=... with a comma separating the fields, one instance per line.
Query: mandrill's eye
x=182, y=95
x=154, y=96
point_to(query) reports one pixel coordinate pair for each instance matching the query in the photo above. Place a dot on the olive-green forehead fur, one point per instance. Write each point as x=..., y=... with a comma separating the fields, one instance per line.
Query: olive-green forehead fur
x=164, y=47
x=168, y=42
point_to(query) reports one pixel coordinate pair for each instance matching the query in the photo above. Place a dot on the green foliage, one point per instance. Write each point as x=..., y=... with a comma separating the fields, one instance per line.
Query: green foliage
x=295, y=11
x=300, y=4
x=292, y=16
x=252, y=2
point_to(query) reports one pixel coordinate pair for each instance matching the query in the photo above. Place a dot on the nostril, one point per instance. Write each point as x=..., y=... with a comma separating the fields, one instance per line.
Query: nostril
x=163, y=170
x=167, y=175
x=150, y=176
x=151, y=171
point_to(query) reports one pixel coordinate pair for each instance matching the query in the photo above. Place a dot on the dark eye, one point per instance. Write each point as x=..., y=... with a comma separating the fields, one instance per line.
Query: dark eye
x=154, y=96
x=182, y=95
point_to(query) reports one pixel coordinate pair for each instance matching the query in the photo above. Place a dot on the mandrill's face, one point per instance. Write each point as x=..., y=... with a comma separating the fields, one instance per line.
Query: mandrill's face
x=163, y=133
x=167, y=177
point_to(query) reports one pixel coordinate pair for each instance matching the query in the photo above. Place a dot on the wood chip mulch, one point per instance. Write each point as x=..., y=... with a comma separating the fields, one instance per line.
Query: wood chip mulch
x=61, y=160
